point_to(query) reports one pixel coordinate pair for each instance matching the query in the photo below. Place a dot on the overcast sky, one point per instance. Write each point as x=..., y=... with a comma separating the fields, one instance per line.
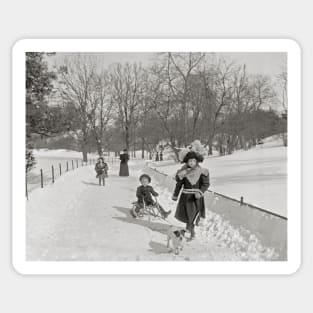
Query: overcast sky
x=257, y=62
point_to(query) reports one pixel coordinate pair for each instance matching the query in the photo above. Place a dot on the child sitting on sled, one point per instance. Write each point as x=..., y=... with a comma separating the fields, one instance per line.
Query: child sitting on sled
x=101, y=169
x=144, y=195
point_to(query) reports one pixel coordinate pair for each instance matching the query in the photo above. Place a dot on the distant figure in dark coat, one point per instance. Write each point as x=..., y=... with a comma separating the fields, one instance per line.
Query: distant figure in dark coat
x=157, y=157
x=161, y=156
x=193, y=181
x=124, y=157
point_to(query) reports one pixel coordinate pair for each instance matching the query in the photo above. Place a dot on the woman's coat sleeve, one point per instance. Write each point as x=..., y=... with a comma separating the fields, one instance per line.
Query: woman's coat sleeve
x=204, y=182
x=179, y=184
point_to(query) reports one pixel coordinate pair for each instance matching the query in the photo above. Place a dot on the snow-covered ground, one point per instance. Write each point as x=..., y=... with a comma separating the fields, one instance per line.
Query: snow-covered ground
x=46, y=158
x=258, y=175
x=75, y=219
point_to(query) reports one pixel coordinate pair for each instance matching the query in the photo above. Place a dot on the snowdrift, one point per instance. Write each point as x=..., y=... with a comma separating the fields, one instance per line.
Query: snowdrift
x=254, y=233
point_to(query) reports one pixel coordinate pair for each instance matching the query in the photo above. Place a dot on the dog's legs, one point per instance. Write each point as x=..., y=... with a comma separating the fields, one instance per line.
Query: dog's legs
x=169, y=246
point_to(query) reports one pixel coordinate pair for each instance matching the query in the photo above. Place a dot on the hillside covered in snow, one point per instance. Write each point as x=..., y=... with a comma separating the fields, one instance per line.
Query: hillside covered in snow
x=259, y=175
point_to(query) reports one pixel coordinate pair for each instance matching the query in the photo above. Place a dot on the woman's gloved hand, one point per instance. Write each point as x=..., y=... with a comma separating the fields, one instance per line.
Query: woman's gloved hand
x=198, y=195
x=174, y=198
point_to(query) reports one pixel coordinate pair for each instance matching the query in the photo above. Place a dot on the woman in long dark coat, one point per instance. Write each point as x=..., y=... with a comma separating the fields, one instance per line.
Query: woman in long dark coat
x=124, y=157
x=193, y=180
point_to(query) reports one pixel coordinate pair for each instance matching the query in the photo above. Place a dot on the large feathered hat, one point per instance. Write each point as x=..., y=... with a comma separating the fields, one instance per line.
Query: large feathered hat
x=193, y=155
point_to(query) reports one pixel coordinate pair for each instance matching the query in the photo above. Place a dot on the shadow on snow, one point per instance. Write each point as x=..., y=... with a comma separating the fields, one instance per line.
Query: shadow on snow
x=156, y=247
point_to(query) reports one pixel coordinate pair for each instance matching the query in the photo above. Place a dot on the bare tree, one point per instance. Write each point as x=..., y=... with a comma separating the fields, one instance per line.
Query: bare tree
x=182, y=67
x=282, y=84
x=101, y=109
x=164, y=103
x=218, y=89
x=282, y=87
x=126, y=83
x=76, y=87
x=262, y=92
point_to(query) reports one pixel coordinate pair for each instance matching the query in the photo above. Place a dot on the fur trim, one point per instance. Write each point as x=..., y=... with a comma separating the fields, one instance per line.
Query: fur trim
x=192, y=174
x=204, y=171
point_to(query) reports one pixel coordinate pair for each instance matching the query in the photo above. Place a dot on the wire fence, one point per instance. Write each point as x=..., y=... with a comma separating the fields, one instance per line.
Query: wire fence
x=240, y=202
x=48, y=175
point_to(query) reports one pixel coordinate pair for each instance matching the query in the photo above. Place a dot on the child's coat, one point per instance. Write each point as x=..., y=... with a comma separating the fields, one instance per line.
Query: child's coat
x=192, y=181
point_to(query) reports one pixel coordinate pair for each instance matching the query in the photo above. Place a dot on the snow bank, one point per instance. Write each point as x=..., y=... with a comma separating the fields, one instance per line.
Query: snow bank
x=252, y=234
x=258, y=175
x=60, y=153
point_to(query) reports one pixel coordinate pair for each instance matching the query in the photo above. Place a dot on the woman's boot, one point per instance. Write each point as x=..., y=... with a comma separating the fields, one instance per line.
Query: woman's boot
x=192, y=231
x=188, y=228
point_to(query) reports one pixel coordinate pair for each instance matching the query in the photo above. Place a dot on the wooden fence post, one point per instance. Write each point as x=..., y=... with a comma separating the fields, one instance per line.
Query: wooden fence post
x=77, y=163
x=67, y=166
x=52, y=169
x=241, y=200
x=60, y=169
x=41, y=177
x=26, y=187
x=72, y=164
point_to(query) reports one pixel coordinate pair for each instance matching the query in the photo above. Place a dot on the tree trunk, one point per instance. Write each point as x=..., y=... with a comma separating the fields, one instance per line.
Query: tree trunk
x=175, y=150
x=285, y=139
x=210, y=149
x=85, y=148
x=85, y=153
x=210, y=144
x=142, y=148
x=99, y=147
x=127, y=137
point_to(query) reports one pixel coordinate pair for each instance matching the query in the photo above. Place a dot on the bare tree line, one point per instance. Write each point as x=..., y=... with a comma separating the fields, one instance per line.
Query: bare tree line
x=176, y=99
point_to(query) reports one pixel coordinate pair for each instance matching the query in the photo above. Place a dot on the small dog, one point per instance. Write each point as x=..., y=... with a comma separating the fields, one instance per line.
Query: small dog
x=175, y=239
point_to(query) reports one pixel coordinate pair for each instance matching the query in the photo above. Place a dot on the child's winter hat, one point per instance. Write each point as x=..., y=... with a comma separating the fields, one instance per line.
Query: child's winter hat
x=193, y=155
x=145, y=176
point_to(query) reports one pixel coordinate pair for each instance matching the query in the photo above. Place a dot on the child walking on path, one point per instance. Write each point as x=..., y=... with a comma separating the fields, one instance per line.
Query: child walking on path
x=144, y=195
x=101, y=169
x=193, y=180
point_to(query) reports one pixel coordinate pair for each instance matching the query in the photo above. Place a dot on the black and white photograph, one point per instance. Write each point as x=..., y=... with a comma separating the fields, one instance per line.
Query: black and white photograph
x=156, y=156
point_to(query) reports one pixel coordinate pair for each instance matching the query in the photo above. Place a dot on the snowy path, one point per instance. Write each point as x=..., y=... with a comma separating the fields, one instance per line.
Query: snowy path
x=75, y=219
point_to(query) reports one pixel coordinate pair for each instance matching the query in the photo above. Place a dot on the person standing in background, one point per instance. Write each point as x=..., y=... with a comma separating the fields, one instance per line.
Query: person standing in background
x=157, y=157
x=124, y=157
x=161, y=156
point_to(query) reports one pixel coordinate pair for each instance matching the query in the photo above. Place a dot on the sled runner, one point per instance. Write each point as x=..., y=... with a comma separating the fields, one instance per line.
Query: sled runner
x=140, y=210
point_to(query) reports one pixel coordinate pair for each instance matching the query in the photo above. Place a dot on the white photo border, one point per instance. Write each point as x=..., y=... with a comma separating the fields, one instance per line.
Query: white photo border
x=24, y=267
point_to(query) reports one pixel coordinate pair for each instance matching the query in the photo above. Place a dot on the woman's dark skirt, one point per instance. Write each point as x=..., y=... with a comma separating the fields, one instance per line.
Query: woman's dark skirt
x=189, y=209
x=124, y=169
